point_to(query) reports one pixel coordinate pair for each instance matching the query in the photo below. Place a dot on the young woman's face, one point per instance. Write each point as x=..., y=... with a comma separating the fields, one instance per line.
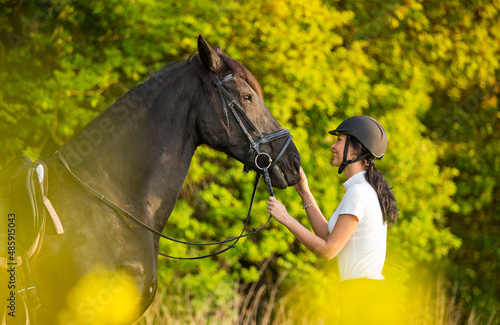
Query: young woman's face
x=338, y=150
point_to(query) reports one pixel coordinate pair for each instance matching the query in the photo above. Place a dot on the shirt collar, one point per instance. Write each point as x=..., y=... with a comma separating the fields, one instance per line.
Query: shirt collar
x=355, y=179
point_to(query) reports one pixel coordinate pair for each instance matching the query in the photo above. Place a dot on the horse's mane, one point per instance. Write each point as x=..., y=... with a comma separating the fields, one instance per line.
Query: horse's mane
x=231, y=66
x=207, y=77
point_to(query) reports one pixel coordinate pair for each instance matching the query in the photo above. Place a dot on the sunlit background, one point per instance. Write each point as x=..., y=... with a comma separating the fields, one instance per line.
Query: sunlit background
x=428, y=71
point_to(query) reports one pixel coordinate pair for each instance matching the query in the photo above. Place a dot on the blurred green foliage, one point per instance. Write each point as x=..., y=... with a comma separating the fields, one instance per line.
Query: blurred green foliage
x=428, y=71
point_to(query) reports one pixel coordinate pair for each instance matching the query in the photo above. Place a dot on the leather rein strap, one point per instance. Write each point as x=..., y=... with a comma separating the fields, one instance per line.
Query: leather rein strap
x=227, y=101
x=122, y=211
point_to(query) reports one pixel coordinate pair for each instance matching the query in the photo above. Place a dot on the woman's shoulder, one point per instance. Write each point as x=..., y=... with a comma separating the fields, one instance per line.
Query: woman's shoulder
x=360, y=191
x=355, y=191
x=359, y=187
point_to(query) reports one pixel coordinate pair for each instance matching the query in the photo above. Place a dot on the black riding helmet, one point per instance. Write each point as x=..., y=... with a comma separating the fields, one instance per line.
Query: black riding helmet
x=368, y=131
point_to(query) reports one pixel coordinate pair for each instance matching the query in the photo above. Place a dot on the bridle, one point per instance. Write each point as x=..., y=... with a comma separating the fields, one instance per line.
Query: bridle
x=252, y=160
x=254, y=153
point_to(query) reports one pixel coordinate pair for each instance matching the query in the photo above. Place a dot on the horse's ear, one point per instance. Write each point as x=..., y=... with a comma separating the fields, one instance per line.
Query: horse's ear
x=209, y=56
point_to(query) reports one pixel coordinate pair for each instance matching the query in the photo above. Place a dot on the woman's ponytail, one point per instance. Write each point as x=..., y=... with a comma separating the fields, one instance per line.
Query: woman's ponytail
x=386, y=198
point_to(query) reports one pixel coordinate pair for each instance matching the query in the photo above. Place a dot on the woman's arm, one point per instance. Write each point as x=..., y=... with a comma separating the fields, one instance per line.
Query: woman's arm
x=327, y=249
x=316, y=217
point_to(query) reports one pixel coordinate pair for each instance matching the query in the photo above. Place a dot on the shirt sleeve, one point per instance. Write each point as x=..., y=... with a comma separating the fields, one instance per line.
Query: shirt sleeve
x=353, y=203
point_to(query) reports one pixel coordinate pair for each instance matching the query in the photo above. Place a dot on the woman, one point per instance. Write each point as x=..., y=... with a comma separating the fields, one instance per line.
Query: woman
x=357, y=231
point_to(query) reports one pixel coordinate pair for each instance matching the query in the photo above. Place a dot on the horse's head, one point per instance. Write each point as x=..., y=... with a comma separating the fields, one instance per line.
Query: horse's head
x=243, y=126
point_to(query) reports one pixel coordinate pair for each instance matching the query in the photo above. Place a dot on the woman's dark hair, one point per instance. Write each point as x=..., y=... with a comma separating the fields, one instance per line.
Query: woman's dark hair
x=386, y=198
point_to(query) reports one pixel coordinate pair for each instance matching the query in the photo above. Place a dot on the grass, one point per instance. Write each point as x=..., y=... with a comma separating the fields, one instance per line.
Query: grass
x=306, y=303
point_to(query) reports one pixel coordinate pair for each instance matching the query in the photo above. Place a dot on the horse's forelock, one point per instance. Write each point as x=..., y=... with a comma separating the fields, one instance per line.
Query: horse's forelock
x=237, y=68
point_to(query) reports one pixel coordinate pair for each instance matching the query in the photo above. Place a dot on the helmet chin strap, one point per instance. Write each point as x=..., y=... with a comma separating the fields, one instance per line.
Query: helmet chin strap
x=344, y=158
x=346, y=162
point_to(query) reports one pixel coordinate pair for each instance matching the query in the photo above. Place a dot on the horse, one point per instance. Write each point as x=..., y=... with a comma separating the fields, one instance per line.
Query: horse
x=136, y=153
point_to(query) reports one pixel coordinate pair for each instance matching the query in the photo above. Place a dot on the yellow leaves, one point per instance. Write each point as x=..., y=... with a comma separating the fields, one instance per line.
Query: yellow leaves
x=393, y=23
x=489, y=11
x=400, y=12
x=250, y=274
x=380, y=91
x=279, y=9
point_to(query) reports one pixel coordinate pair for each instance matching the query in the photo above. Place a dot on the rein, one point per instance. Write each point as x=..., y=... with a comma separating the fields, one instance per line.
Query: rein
x=252, y=157
x=122, y=211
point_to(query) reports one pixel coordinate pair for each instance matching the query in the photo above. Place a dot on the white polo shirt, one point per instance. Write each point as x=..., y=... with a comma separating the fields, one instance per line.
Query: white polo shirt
x=364, y=254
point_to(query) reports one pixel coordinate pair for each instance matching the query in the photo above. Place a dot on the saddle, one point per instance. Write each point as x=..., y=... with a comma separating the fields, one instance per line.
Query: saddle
x=23, y=207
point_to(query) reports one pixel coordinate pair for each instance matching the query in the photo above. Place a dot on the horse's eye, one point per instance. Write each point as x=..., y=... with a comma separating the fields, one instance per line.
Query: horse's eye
x=247, y=97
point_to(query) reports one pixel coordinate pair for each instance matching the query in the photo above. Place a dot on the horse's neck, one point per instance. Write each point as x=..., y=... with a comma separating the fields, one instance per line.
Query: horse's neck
x=136, y=155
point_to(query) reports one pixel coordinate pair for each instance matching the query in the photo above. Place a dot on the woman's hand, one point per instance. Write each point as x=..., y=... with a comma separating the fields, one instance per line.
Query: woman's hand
x=302, y=187
x=277, y=210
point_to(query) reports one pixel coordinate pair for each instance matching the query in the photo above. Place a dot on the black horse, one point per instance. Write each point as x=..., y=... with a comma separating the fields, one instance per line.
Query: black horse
x=137, y=153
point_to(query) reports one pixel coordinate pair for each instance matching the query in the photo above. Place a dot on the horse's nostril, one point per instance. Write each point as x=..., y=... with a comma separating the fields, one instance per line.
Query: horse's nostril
x=296, y=164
